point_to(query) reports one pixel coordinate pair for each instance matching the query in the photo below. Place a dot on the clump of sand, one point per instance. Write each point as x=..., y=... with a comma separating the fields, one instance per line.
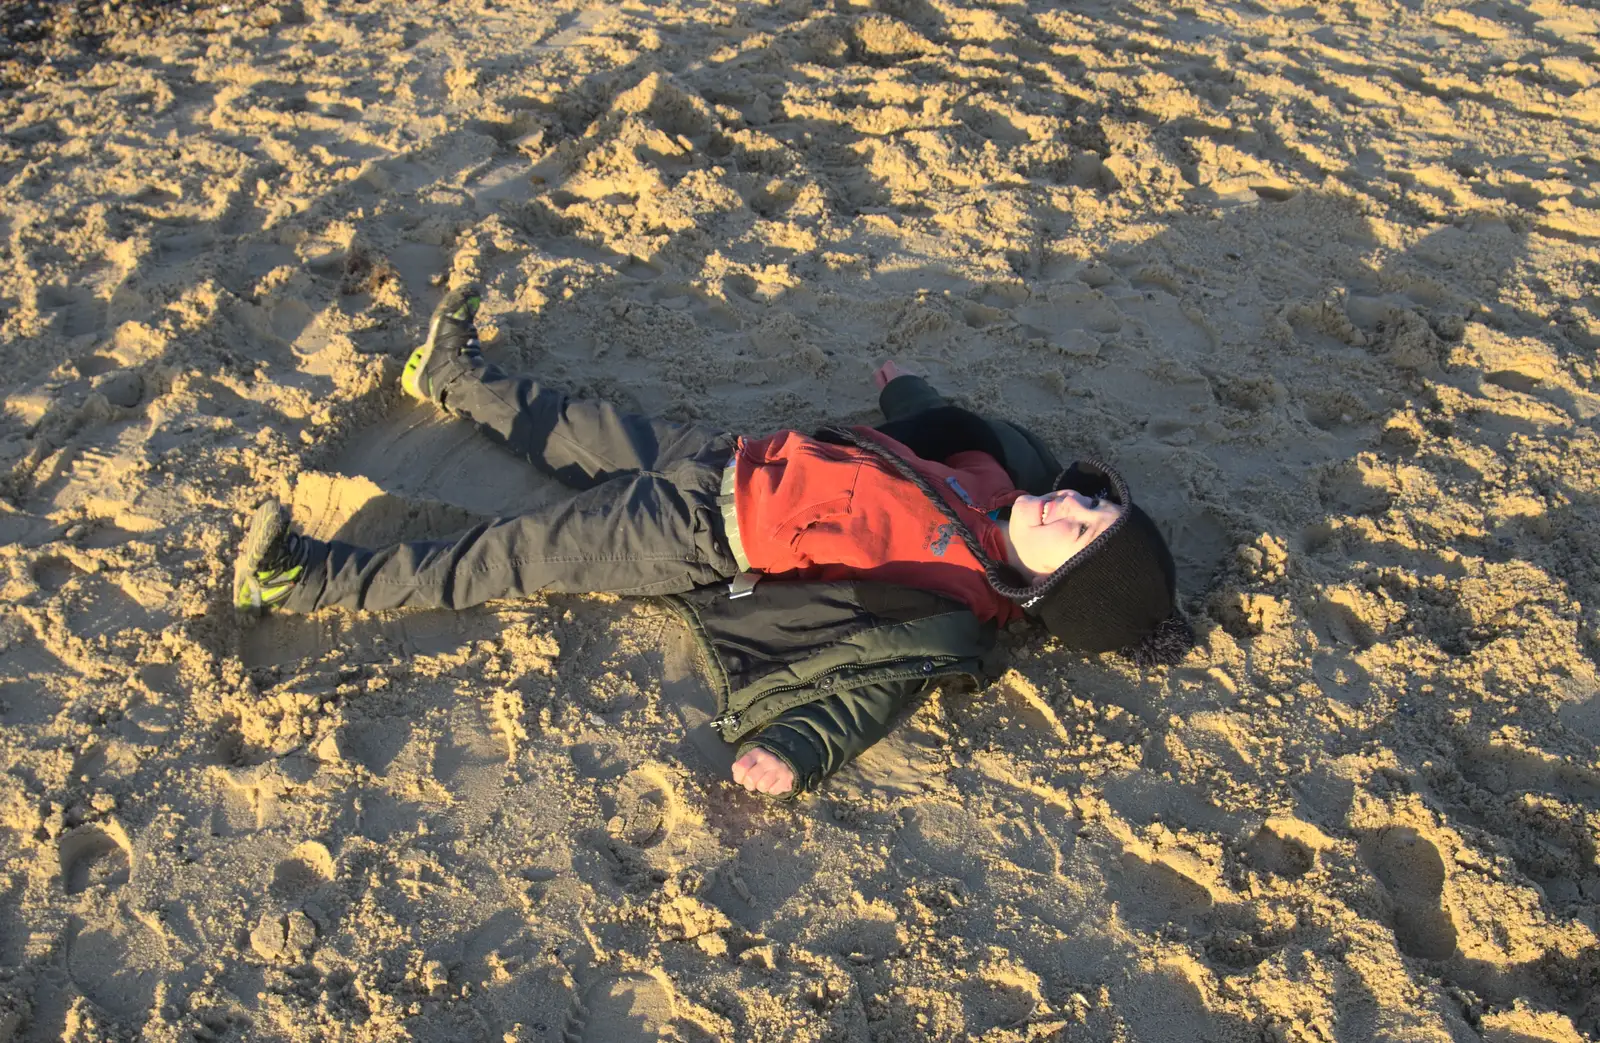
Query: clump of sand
x=1321, y=279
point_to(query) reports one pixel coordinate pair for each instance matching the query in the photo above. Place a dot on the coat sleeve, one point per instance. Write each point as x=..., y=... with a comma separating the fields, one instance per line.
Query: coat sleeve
x=944, y=431
x=818, y=738
x=918, y=417
x=908, y=395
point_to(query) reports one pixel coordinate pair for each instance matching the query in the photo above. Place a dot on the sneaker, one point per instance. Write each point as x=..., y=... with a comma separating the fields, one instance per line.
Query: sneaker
x=452, y=344
x=270, y=563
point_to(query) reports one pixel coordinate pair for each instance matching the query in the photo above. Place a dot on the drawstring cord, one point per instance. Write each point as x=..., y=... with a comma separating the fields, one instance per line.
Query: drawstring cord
x=1027, y=595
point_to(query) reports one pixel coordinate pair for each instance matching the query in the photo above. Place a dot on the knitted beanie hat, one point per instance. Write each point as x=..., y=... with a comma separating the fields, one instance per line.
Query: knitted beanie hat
x=1116, y=594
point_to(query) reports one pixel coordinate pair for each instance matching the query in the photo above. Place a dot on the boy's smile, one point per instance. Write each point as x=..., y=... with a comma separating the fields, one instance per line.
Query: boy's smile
x=1046, y=531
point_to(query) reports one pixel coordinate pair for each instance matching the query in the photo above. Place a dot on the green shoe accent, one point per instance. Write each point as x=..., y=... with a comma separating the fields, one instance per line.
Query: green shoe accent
x=452, y=330
x=414, y=367
x=272, y=595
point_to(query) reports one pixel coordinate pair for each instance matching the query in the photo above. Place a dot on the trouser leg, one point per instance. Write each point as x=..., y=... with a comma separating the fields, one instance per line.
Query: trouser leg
x=580, y=442
x=657, y=532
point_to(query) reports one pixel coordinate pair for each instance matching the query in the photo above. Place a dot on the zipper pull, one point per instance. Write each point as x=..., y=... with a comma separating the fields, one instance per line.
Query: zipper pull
x=727, y=720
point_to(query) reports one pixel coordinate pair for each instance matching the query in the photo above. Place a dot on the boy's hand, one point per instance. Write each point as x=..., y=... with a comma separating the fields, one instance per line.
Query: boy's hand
x=887, y=372
x=760, y=772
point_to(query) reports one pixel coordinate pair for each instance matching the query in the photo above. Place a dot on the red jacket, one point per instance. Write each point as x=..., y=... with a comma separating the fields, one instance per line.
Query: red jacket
x=819, y=511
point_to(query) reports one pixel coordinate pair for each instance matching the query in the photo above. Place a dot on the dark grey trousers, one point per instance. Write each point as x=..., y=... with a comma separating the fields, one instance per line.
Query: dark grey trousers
x=646, y=520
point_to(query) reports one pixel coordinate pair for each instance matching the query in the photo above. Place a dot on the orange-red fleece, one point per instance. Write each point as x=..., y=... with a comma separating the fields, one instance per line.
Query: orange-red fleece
x=818, y=511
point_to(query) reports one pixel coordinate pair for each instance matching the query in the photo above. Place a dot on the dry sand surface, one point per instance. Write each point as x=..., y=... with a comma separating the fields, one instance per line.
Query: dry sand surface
x=1320, y=277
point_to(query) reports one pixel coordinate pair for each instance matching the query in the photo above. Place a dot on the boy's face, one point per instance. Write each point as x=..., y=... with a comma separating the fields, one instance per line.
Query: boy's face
x=1046, y=531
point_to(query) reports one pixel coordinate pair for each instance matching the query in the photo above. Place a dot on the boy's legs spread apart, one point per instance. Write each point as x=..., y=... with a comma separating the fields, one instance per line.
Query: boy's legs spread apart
x=646, y=522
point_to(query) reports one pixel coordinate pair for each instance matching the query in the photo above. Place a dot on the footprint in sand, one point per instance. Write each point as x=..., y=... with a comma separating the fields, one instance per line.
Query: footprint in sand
x=119, y=965
x=625, y=1008
x=1273, y=851
x=644, y=809
x=51, y=572
x=1357, y=487
x=1410, y=866
x=95, y=856
x=308, y=867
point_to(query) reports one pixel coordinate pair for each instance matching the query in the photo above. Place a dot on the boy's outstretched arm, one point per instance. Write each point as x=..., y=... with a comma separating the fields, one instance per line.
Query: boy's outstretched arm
x=917, y=416
x=921, y=419
x=816, y=739
x=903, y=393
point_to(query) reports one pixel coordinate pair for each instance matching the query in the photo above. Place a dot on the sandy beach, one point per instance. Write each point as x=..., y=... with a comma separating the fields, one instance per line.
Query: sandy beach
x=1322, y=278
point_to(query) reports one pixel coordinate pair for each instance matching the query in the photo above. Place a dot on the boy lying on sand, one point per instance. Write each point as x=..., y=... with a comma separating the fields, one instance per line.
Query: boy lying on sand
x=827, y=578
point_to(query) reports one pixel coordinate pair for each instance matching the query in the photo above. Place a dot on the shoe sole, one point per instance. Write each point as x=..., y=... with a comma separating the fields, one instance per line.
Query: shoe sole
x=411, y=376
x=419, y=360
x=266, y=528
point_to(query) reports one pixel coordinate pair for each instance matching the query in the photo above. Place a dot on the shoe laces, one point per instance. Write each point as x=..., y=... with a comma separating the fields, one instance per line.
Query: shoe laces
x=467, y=344
x=286, y=555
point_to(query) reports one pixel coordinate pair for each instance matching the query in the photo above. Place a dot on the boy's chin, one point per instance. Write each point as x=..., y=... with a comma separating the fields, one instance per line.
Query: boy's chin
x=1032, y=577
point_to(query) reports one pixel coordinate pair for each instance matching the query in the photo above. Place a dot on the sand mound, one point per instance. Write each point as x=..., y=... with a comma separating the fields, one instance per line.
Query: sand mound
x=1321, y=279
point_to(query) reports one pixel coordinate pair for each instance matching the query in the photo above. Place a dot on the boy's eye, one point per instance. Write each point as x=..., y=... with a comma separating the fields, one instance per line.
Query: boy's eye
x=1082, y=530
